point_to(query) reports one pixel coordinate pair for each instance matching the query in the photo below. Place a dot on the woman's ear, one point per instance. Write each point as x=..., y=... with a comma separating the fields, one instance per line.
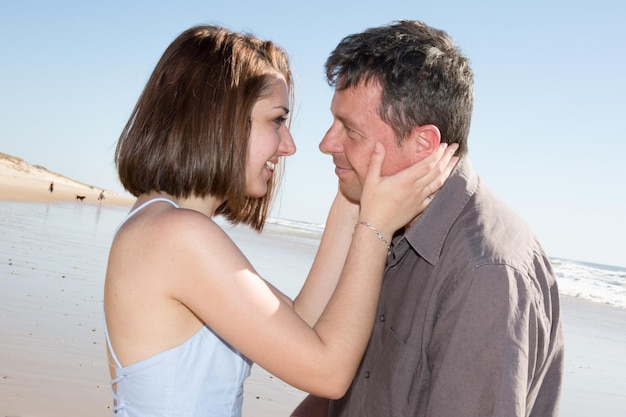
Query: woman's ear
x=425, y=139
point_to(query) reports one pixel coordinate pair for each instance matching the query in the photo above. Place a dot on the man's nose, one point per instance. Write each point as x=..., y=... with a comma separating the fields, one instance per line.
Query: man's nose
x=330, y=142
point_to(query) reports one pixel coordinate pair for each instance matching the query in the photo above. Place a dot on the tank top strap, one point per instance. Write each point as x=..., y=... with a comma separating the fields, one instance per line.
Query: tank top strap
x=141, y=206
x=106, y=333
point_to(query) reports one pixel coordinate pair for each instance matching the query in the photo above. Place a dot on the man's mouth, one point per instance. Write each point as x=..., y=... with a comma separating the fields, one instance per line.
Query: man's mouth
x=340, y=171
x=341, y=167
x=270, y=165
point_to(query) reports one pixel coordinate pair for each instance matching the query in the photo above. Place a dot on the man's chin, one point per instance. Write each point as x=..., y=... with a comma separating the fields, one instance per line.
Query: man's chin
x=350, y=195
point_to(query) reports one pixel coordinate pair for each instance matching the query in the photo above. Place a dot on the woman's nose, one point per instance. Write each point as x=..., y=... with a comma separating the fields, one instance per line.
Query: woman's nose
x=287, y=145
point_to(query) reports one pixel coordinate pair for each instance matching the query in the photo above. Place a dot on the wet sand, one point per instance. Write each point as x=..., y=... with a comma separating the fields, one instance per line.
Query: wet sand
x=52, y=346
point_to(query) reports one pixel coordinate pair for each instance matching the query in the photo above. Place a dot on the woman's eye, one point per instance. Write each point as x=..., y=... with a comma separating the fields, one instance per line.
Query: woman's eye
x=280, y=120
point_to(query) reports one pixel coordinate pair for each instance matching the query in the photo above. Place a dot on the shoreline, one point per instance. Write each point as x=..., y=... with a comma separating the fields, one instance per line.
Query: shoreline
x=37, y=192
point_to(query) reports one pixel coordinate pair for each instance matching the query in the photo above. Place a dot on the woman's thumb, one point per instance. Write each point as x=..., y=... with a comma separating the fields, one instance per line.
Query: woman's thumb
x=376, y=161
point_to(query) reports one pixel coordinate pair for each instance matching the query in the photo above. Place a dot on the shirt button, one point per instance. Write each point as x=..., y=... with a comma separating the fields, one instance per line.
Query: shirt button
x=367, y=374
x=381, y=318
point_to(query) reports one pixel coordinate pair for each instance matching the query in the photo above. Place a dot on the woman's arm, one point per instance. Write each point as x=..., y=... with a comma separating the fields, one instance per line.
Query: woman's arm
x=213, y=279
x=331, y=255
x=329, y=260
x=216, y=282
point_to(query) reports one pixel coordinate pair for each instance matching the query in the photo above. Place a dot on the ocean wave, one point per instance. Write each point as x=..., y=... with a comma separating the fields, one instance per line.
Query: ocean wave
x=292, y=226
x=594, y=282
x=598, y=283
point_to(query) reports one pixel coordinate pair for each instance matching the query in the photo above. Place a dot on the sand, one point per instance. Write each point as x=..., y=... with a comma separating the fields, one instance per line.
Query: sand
x=21, y=181
x=51, y=330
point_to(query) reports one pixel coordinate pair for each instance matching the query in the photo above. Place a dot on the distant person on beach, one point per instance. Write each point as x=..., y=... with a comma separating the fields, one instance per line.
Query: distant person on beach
x=469, y=320
x=186, y=313
x=51, y=187
x=101, y=196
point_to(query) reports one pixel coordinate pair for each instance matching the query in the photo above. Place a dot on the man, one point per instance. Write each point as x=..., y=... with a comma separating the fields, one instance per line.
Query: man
x=469, y=317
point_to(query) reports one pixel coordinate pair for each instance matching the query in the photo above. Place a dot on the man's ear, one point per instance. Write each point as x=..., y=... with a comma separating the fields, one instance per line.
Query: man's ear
x=425, y=140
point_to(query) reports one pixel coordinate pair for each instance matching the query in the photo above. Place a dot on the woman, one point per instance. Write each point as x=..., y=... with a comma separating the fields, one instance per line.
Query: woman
x=186, y=313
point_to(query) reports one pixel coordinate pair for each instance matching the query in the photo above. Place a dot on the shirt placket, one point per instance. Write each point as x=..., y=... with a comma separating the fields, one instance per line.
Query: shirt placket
x=399, y=248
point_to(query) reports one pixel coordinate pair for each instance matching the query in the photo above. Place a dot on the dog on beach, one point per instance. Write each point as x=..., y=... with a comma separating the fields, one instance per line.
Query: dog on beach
x=80, y=197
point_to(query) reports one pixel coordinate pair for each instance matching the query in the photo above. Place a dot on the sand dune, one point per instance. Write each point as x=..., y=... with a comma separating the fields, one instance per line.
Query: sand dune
x=21, y=181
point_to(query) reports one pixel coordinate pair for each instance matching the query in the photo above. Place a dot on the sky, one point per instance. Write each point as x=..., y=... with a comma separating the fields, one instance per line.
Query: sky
x=550, y=96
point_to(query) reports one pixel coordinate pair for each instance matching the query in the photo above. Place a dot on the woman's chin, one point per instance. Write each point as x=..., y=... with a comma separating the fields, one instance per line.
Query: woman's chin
x=258, y=192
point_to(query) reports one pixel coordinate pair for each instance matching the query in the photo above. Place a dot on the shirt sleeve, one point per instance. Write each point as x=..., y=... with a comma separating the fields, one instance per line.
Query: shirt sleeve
x=487, y=343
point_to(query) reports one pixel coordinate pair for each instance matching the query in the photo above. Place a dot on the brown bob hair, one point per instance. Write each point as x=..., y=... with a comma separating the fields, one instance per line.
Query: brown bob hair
x=189, y=131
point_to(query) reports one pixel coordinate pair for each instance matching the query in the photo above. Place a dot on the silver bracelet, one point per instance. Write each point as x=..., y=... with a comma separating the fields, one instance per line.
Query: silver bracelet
x=380, y=235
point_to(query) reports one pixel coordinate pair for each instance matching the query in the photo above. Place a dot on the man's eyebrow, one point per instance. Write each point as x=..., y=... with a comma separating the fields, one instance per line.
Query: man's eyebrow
x=344, y=121
x=350, y=124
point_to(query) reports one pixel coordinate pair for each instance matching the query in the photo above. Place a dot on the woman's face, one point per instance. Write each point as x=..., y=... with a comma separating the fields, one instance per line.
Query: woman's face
x=269, y=138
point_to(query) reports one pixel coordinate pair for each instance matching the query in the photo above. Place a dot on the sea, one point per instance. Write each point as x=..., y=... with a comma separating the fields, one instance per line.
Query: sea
x=77, y=235
x=599, y=283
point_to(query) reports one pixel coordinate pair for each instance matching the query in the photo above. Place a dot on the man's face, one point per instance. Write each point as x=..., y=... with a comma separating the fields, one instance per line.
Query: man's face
x=351, y=138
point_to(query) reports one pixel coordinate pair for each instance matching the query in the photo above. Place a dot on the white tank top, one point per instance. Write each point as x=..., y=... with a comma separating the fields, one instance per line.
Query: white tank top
x=203, y=377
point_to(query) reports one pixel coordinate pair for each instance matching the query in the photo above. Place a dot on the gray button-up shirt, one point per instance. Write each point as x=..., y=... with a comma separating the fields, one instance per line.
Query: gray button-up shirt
x=469, y=319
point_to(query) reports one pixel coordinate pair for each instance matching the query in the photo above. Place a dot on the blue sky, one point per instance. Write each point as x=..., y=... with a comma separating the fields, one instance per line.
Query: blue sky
x=550, y=96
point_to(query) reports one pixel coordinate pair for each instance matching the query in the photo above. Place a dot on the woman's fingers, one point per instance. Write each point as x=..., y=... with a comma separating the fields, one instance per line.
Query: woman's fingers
x=440, y=171
x=396, y=199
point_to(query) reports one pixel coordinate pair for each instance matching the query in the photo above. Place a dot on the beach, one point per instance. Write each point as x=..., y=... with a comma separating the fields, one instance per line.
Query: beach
x=52, y=344
x=52, y=347
x=21, y=181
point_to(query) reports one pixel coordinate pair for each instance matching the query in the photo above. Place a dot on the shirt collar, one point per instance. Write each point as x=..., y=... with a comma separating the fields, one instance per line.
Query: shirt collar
x=429, y=230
